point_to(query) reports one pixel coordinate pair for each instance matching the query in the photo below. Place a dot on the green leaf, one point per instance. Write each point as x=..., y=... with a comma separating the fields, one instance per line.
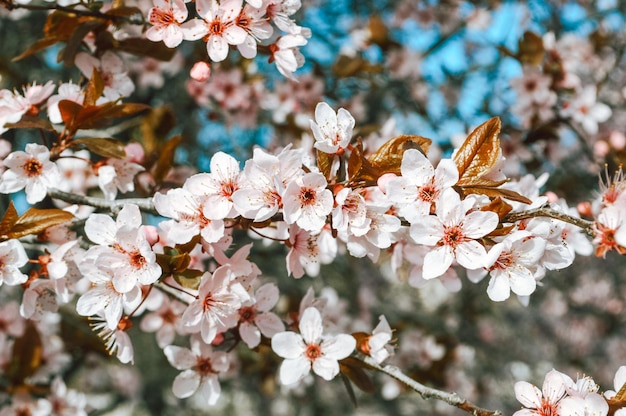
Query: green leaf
x=102, y=146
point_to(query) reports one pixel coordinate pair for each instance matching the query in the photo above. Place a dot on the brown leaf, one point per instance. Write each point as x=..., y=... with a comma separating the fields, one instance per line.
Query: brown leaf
x=355, y=371
x=479, y=153
x=31, y=122
x=37, y=220
x=145, y=47
x=166, y=159
x=8, y=221
x=499, y=207
x=124, y=11
x=155, y=127
x=60, y=25
x=360, y=170
x=39, y=45
x=388, y=158
x=495, y=192
x=501, y=231
x=94, y=89
x=76, y=39
x=69, y=112
x=530, y=50
x=102, y=146
x=379, y=34
x=100, y=116
x=26, y=355
x=325, y=163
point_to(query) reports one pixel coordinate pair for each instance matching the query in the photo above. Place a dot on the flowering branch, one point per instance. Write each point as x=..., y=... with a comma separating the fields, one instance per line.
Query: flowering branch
x=545, y=211
x=10, y=5
x=144, y=204
x=428, y=392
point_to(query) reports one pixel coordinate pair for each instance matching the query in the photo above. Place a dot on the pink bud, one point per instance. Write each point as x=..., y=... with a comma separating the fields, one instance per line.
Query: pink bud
x=552, y=197
x=584, y=209
x=601, y=148
x=134, y=153
x=201, y=71
x=617, y=140
x=152, y=234
x=384, y=180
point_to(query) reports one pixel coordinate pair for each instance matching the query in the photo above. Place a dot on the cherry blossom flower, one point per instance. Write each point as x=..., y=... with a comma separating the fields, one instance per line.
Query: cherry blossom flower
x=377, y=345
x=14, y=105
x=255, y=318
x=117, y=83
x=585, y=109
x=252, y=19
x=201, y=366
x=350, y=213
x=453, y=233
x=582, y=398
x=12, y=257
x=307, y=202
x=286, y=54
x=200, y=71
x=215, y=309
x=332, y=131
x=380, y=234
x=64, y=401
x=31, y=170
x=420, y=185
x=103, y=299
x=117, y=174
x=122, y=246
x=22, y=404
x=189, y=218
x=167, y=18
x=116, y=341
x=11, y=323
x=217, y=188
x=219, y=26
x=310, y=349
x=511, y=264
x=609, y=226
x=543, y=402
x=165, y=321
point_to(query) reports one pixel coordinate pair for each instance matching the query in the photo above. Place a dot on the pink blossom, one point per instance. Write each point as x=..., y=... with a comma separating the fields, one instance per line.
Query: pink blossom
x=307, y=202
x=201, y=366
x=67, y=91
x=200, y=71
x=453, y=232
x=543, y=402
x=310, y=349
x=255, y=318
x=286, y=54
x=12, y=257
x=167, y=17
x=32, y=170
x=165, y=321
x=117, y=83
x=332, y=131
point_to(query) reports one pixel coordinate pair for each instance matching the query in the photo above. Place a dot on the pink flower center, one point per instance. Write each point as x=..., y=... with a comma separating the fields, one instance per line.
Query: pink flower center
x=548, y=409
x=204, y=367
x=160, y=17
x=228, y=188
x=505, y=260
x=137, y=260
x=313, y=352
x=428, y=193
x=453, y=236
x=307, y=196
x=209, y=302
x=247, y=314
x=216, y=28
x=33, y=167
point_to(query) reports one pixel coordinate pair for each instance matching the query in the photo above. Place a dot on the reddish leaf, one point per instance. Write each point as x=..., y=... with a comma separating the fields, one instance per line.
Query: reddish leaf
x=145, y=47
x=165, y=160
x=495, y=192
x=499, y=207
x=355, y=371
x=60, y=25
x=479, y=153
x=388, y=158
x=102, y=146
x=101, y=116
x=36, y=220
x=325, y=164
x=501, y=231
x=124, y=11
x=39, y=45
x=8, y=221
x=76, y=39
x=94, y=89
x=530, y=50
x=31, y=122
x=26, y=355
x=69, y=112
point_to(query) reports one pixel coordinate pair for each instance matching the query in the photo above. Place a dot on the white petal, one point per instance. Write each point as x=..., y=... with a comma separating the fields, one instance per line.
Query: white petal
x=180, y=358
x=294, y=370
x=288, y=344
x=338, y=347
x=325, y=367
x=311, y=325
x=186, y=384
x=528, y=395
x=437, y=261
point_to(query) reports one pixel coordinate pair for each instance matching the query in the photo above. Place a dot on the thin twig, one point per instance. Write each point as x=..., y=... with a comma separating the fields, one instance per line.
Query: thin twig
x=544, y=211
x=429, y=392
x=10, y=5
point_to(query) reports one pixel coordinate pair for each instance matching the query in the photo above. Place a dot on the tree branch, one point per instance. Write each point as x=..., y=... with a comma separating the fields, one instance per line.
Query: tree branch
x=428, y=392
x=10, y=5
x=144, y=204
x=545, y=211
